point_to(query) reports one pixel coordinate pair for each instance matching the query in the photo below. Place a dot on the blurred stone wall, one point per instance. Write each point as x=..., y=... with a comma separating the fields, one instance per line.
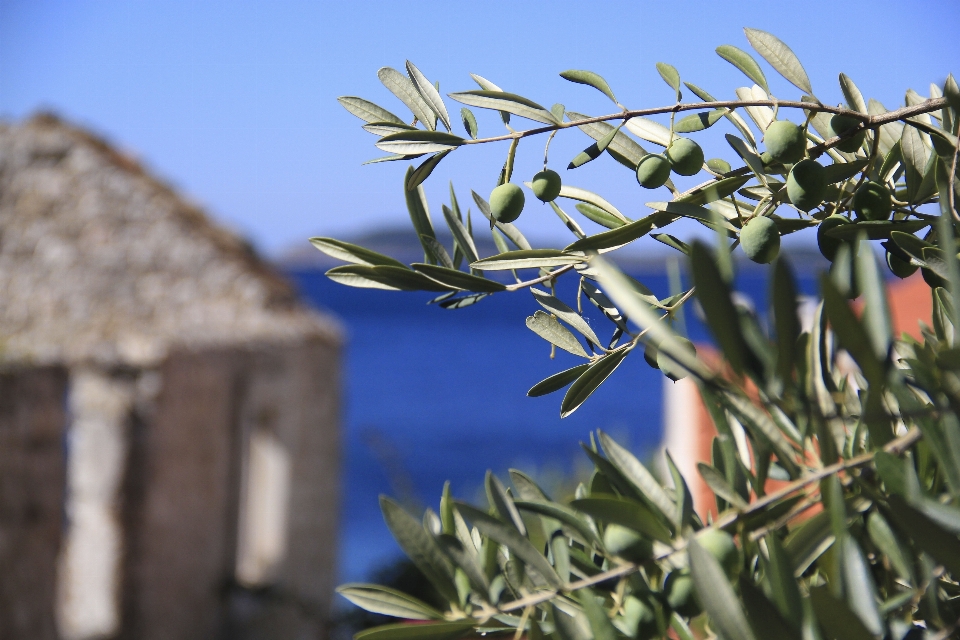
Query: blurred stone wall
x=169, y=444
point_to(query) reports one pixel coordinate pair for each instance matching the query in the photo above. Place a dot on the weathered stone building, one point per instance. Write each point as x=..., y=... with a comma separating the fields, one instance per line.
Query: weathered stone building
x=168, y=411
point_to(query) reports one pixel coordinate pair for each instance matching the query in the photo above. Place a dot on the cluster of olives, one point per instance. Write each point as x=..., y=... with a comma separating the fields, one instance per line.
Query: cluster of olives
x=507, y=200
x=677, y=586
x=684, y=157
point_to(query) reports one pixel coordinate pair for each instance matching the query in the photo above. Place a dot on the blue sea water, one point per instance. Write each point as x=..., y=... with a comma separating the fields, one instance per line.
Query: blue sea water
x=433, y=395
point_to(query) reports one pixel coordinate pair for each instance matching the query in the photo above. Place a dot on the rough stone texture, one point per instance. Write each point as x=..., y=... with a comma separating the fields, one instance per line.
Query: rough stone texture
x=32, y=420
x=110, y=274
x=100, y=261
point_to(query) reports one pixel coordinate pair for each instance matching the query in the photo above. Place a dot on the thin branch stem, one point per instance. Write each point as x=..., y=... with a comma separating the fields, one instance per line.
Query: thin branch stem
x=530, y=283
x=897, y=446
x=870, y=122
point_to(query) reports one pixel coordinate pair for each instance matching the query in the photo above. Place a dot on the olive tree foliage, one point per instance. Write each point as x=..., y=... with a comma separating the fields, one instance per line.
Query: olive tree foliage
x=860, y=537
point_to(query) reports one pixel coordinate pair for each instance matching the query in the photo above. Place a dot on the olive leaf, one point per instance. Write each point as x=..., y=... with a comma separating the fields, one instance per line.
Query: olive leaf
x=588, y=382
x=590, y=79
x=429, y=94
x=780, y=57
x=556, y=382
x=417, y=141
x=368, y=111
x=402, y=87
x=550, y=329
x=469, y=122
x=388, y=602
x=505, y=102
x=745, y=62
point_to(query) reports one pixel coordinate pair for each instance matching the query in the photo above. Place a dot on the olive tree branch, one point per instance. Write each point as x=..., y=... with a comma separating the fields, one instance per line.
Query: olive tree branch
x=869, y=122
x=896, y=446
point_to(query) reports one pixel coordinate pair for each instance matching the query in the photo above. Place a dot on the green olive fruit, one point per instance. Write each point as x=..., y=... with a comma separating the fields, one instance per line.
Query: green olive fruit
x=678, y=588
x=506, y=202
x=627, y=543
x=786, y=143
x=807, y=184
x=829, y=246
x=685, y=156
x=546, y=185
x=872, y=202
x=653, y=170
x=900, y=267
x=840, y=124
x=669, y=366
x=760, y=240
x=721, y=546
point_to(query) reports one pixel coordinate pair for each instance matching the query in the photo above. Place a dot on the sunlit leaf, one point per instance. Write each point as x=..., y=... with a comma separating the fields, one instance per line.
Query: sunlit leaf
x=458, y=279
x=417, y=141
x=402, y=87
x=429, y=94
x=508, y=102
x=745, y=62
x=717, y=595
x=469, y=122
x=353, y=253
x=550, y=329
x=526, y=259
x=388, y=602
x=591, y=79
x=780, y=57
x=556, y=382
x=420, y=547
x=584, y=386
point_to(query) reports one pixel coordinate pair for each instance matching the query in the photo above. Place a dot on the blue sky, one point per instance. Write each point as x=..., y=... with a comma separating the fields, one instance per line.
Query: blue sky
x=235, y=102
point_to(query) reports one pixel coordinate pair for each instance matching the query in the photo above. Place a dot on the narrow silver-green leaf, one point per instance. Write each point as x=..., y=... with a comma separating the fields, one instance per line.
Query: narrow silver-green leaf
x=550, y=329
x=556, y=382
x=555, y=306
x=693, y=211
x=625, y=296
x=428, y=631
x=584, y=386
x=884, y=538
x=582, y=195
x=719, y=485
x=861, y=592
x=745, y=62
x=598, y=215
x=458, y=279
x=840, y=171
x=388, y=602
x=367, y=111
x=717, y=595
x=615, y=237
x=508, y=536
x=698, y=121
x=460, y=235
x=565, y=515
x=915, y=160
x=526, y=259
x=715, y=190
x=593, y=151
x=621, y=147
x=634, y=471
x=590, y=79
x=600, y=624
x=419, y=211
x=469, y=122
x=420, y=547
x=889, y=133
x=387, y=128
x=353, y=253
x=417, y=141
x=438, y=251
x=626, y=513
x=649, y=130
x=393, y=158
x=489, y=86
x=426, y=167
x=402, y=87
x=670, y=75
x=780, y=57
x=503, y=101
x=383, y=277
x=852, y=94
x=429, y=94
